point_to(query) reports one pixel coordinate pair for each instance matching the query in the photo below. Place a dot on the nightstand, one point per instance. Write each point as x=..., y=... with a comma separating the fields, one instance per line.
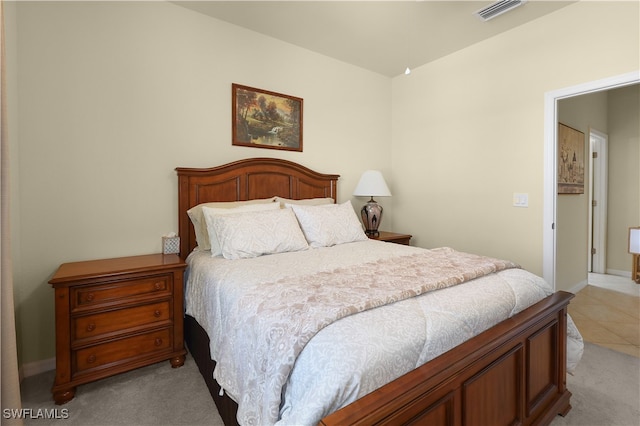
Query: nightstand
x=392, y=237
x=115, y=315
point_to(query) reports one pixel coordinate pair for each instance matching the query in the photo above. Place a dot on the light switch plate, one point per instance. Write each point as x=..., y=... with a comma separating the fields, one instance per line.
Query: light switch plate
x=520, y=199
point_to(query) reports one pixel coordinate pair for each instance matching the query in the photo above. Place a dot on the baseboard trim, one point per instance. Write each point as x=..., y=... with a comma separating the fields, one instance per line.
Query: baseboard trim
x=577, y=287
x=617, y=283
x=37, y=367
x=619, y=273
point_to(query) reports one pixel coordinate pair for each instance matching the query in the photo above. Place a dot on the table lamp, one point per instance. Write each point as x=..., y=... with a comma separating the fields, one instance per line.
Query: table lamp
x=371, y=184
x=634, y=249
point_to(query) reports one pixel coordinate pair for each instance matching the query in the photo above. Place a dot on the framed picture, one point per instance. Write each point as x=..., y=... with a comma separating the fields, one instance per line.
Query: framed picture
x=571, y=153
x=265, y=119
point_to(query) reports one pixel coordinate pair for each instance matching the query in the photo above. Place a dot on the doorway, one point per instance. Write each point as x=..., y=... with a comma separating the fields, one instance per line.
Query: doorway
x=550, y=160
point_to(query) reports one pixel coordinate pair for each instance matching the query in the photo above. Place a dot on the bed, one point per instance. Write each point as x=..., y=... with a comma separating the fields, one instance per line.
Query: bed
x=511, y=369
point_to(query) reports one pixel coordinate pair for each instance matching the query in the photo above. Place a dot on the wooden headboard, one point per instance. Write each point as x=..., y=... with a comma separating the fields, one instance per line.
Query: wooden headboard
x=245, y=180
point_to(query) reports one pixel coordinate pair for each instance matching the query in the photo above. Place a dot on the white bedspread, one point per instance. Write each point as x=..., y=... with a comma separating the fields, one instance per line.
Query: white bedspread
x=358, y=353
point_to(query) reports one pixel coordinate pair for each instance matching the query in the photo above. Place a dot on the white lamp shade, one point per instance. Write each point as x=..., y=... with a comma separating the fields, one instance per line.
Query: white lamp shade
x=372, y=184
x=634, y=240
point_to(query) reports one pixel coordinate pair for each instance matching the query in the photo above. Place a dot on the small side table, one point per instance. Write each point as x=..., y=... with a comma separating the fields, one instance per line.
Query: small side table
x=392, y=237
x=114, y=315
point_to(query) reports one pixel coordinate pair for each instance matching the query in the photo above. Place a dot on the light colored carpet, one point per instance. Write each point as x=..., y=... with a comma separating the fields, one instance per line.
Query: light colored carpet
x=605, y=390
x=605, y=387
x=152, y=395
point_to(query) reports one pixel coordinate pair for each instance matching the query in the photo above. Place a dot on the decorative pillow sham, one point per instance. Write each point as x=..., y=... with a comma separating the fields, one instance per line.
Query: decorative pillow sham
x=328, y=225
x=305, y=202
x=210, y=238
x=253, y=234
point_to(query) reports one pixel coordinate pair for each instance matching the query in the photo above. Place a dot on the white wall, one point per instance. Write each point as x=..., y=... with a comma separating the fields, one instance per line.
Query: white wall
x=112, y=96
x=468, y=129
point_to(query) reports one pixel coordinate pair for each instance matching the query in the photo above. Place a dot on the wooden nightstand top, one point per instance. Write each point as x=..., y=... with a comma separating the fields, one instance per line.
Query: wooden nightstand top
x=76, y=271
x=392, y=237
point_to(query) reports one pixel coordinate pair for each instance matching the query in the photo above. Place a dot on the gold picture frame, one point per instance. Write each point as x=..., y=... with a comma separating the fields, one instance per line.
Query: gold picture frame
x=571, y=160
x=265, y=119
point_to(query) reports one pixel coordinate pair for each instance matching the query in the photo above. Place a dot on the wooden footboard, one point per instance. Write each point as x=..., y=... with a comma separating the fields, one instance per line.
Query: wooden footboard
x=513, y=373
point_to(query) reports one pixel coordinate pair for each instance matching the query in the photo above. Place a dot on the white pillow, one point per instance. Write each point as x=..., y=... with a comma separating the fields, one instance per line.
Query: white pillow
x=305, y=201
x=330, y=224
x=200, y=225
x=210, y=212
x=253, y=234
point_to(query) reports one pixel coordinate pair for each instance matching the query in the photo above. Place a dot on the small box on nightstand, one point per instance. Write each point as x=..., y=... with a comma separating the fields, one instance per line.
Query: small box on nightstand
x=170, y=245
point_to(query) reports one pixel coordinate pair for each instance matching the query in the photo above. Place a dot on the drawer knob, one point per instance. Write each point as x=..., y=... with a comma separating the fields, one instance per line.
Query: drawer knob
x=90, y=297
x=91, y=327
x=157, y=313
x=158, y=341
x=158, y=285
x=91, y=359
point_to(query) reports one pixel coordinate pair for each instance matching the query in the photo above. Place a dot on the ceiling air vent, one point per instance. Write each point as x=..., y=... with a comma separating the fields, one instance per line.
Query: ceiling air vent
x=498, y=8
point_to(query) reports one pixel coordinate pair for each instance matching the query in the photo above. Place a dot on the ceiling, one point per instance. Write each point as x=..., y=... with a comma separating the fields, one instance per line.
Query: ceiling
x=382, y=36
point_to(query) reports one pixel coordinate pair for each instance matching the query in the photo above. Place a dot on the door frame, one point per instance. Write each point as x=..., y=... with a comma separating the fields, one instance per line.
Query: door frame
x=550, y=160
x=598, y=177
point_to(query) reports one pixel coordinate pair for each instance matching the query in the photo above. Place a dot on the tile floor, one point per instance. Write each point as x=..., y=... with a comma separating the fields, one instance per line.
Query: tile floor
x=608, y=317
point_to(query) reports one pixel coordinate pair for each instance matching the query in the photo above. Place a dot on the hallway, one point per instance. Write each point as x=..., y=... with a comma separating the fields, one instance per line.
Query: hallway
x=607, y=317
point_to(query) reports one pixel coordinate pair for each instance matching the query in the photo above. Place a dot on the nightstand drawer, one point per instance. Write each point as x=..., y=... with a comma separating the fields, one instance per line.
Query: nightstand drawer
x=123, y=350
x=119, y=321
x=114, y=292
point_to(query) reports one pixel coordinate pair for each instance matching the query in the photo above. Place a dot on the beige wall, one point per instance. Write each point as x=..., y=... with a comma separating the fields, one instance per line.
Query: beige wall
x=572, y=224
x=624, y=175
x=468, y=129
x=113, y=96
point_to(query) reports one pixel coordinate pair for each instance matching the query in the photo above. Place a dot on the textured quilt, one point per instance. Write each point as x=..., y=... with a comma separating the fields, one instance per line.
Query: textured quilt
x=273, y=321
x=299, y=335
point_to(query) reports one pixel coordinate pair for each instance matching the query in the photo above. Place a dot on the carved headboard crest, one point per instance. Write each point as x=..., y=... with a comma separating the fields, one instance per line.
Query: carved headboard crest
x=242, y=180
